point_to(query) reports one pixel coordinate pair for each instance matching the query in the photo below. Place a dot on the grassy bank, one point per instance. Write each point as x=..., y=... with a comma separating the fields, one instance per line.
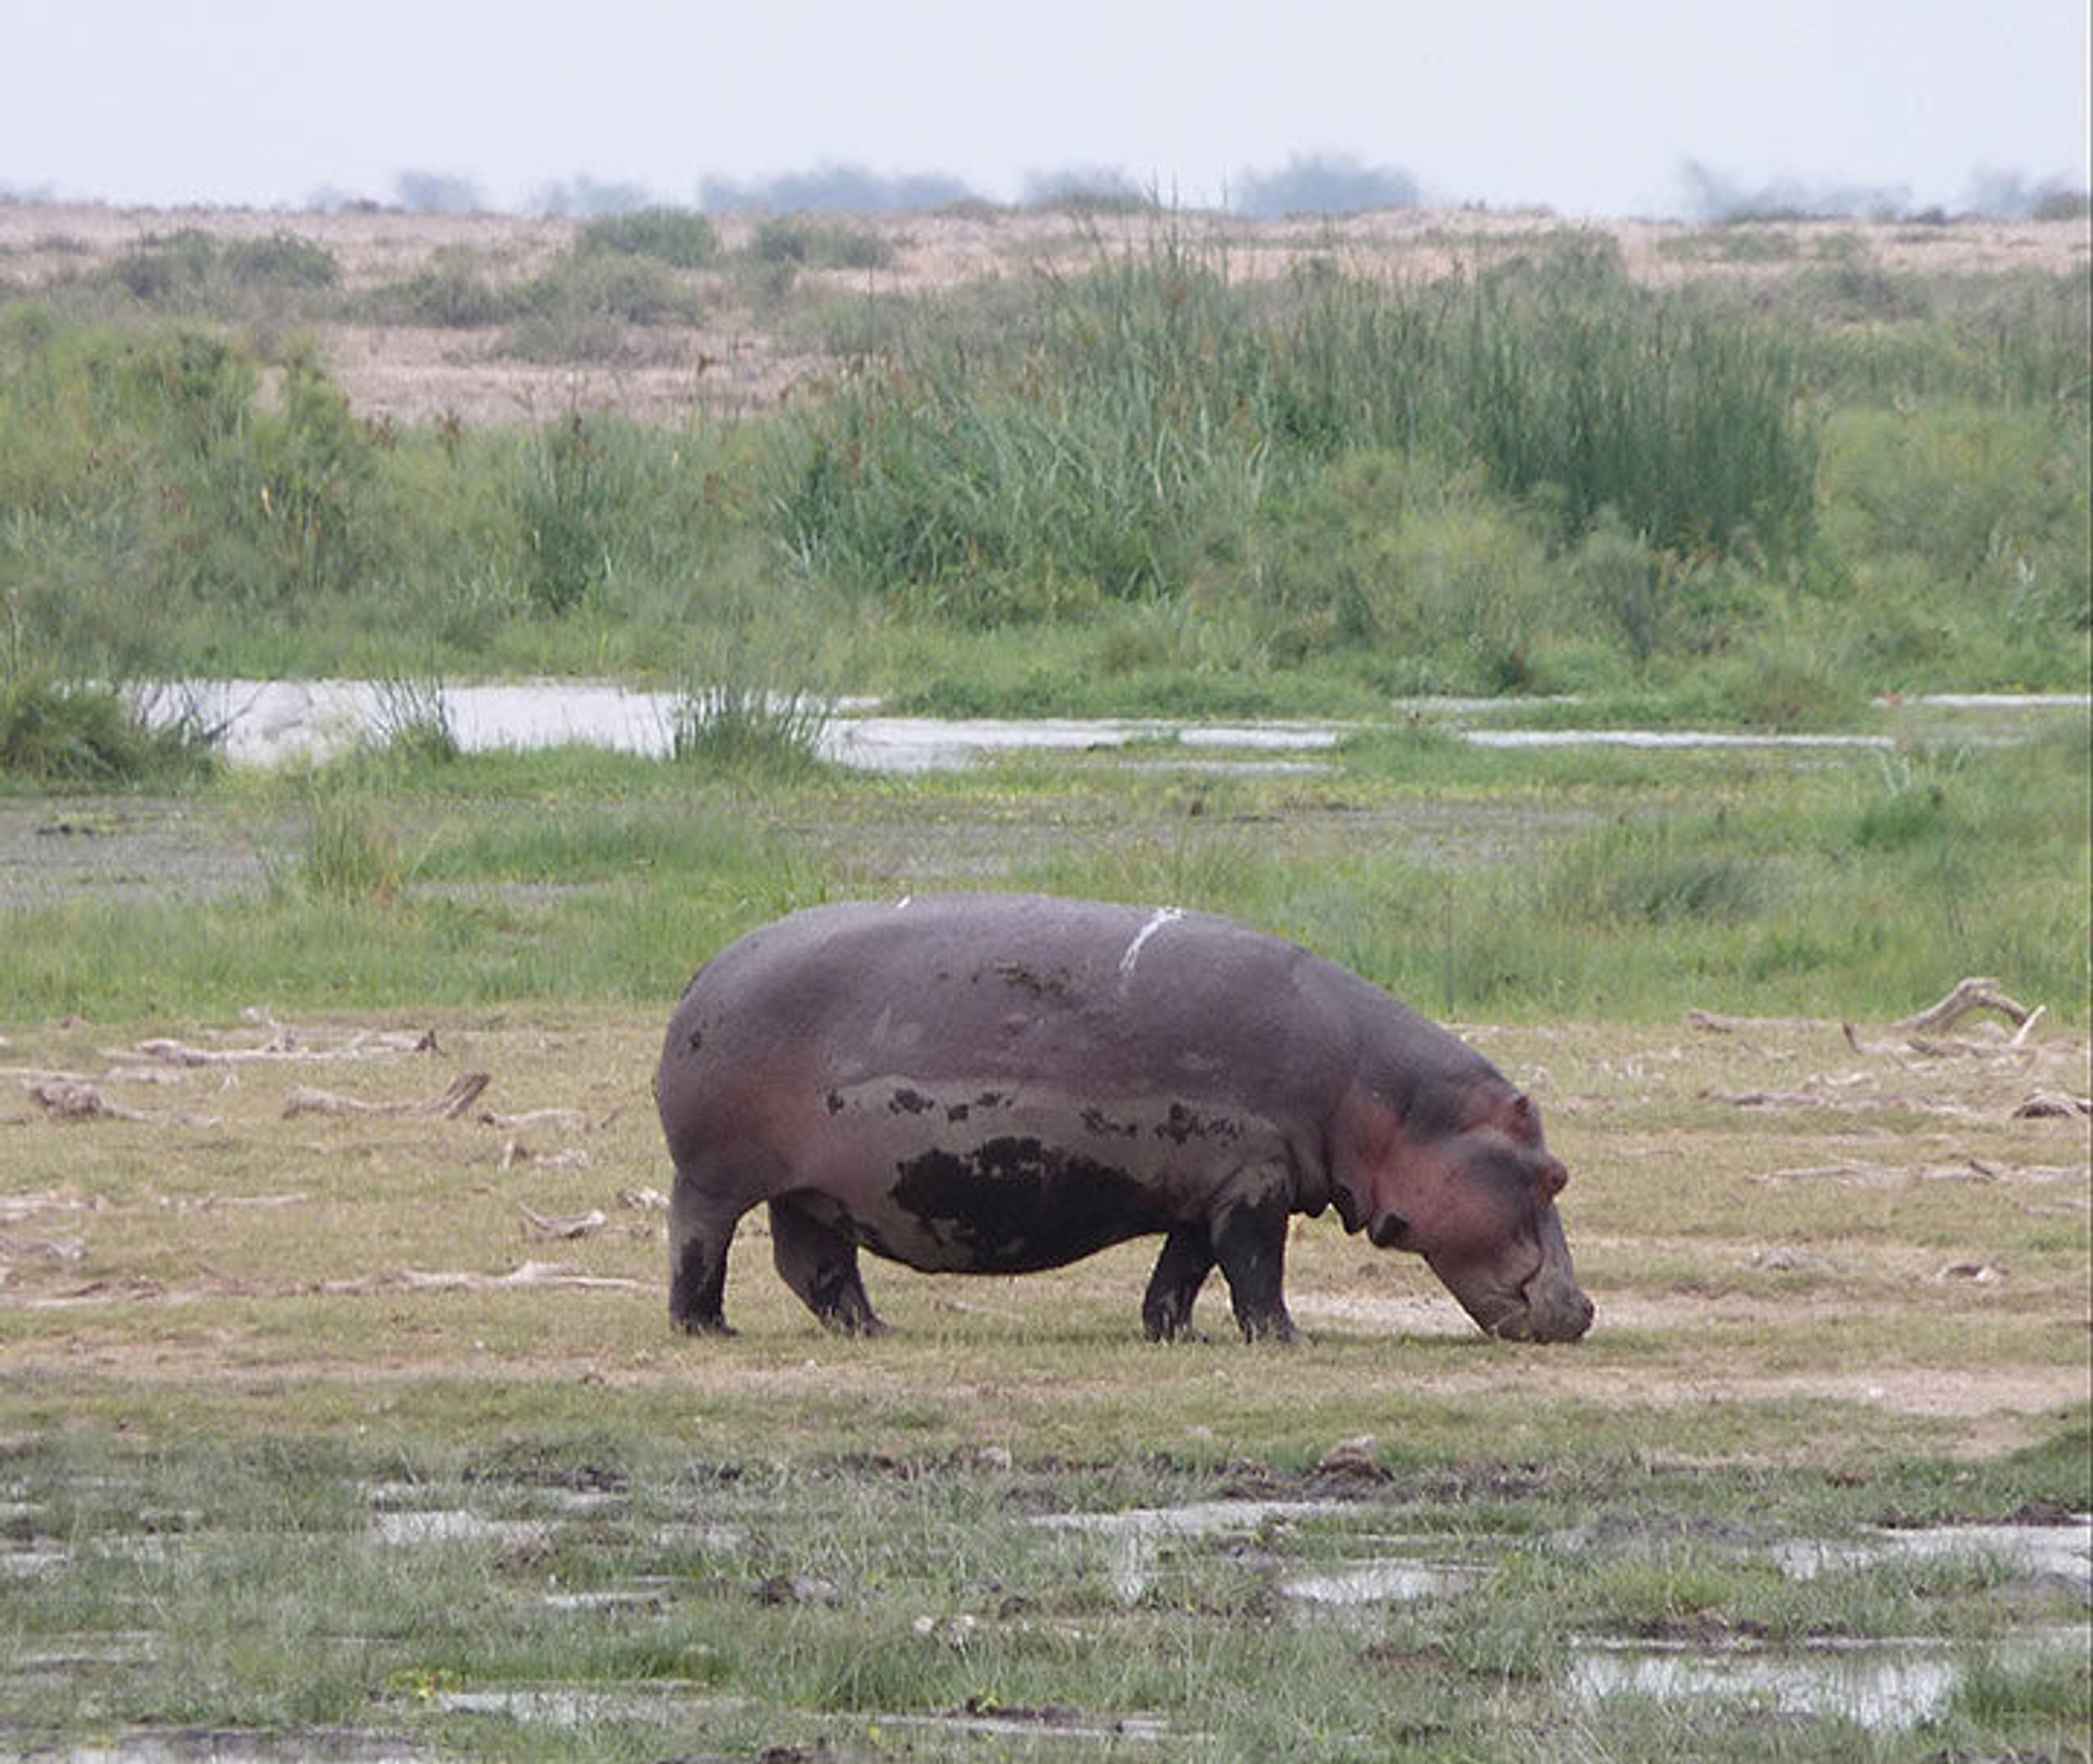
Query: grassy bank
x=1526, y=884
x=1162, y=479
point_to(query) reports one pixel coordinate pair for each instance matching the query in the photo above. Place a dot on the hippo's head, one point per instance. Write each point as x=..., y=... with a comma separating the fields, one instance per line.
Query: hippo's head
x=1476, y=1197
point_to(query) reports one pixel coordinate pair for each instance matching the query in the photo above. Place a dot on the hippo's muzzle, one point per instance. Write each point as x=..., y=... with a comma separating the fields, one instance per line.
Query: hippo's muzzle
x=1550, y=1306
x=1564, y=1317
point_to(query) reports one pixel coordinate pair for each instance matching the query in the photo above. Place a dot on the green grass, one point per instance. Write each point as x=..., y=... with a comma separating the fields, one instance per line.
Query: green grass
x=1634, y=885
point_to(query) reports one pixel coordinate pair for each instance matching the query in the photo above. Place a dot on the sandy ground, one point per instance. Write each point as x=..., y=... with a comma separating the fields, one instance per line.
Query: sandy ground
x=742, y=359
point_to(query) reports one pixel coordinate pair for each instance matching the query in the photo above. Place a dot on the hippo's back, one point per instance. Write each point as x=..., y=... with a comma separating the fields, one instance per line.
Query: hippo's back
x=957, y=989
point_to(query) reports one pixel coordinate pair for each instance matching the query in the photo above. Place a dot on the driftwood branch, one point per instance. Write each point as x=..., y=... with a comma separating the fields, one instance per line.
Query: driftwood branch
x=75, y=1099
x=1967, y=995
x=1948, y=1047
x=287, y=1045
x=463, y=1093
x=564, y=1225
x=1921, y=1033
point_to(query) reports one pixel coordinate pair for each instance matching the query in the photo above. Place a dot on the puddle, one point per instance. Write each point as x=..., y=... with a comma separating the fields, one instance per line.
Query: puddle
x=1195, y=1518
x=562, y=1706
x=1135, y=1534
x=1393, y=1580
x=28, y=1561
x=1040, y=1724
x=456, y=1525
x=1879, y=1685
x=266, y=722
x=652, y=1594
x=2062, y=1552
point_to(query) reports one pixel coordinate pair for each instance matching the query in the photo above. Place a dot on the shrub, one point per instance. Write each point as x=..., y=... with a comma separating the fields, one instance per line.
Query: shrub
x=55, y=732
x=451, y=292
x=578, y=309
x=814, y=245
x=679, y=237
x=569, y=501
x=282, y=260
x=743, y=709
x=193, y=271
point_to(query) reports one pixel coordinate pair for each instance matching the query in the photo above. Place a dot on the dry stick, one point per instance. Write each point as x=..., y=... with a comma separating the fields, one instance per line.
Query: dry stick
x=70, y=1100
x=554, y=1225
x=359, y=1046
x=464, y=1092
x=1975, y=993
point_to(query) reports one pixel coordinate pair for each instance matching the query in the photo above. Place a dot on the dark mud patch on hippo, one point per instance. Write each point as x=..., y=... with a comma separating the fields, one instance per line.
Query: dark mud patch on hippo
x=1018, y=1205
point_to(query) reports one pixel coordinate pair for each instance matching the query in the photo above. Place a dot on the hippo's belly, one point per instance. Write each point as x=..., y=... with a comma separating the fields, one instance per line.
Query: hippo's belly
x=991, y=1177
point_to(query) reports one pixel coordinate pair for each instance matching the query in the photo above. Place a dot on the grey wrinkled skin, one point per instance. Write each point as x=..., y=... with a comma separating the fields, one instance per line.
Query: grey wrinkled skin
x=997, y=1084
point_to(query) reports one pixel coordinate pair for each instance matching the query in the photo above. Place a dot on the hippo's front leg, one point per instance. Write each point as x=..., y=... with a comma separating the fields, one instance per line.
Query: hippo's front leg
x=1251, y=1244
x=1187, y=1259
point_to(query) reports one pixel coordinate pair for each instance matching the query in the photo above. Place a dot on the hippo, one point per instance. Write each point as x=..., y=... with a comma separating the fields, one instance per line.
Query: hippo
x=999, y=1084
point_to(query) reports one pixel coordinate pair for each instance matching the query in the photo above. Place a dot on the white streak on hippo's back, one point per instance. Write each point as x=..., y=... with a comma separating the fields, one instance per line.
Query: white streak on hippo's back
x=1163, y=915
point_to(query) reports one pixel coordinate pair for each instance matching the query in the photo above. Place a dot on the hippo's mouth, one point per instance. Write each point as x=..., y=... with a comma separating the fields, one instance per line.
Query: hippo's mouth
x=1566, y=1324
x=1548, y=1309
x=1548, y=1305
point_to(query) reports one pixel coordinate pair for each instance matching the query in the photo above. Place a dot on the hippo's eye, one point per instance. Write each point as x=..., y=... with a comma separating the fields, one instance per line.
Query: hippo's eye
x=1554, y=1179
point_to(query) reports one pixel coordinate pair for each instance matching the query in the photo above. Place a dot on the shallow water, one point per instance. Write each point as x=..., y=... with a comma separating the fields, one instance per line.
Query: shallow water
x=1882, y=1686
x=1393, y=1580
x=266, y=722
x=2062, y=1552
x=1328, y=1560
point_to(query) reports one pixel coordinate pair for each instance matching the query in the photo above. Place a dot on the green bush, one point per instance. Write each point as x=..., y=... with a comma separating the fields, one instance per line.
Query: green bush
x=192, y=272
x=580, y=308
x=807, y=244
x=68, y=734
x=679, y=237
x=451, y=291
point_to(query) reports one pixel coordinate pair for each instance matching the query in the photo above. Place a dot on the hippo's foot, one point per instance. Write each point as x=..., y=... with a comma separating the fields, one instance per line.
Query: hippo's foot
x=697, y=1283
x=1270, y=1326
x=1158, y=1330
x=840, y=1321
x=1180, y=1270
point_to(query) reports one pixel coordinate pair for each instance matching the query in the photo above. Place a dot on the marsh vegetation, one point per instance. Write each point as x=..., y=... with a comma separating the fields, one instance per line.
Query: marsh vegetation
x=339, y=1413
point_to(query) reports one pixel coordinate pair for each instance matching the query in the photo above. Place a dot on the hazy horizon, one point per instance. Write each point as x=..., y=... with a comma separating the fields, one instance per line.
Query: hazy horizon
x=1635, y=107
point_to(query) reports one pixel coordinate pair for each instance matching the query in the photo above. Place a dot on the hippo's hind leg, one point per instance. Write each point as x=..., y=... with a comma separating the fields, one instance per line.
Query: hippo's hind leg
x=700, y=1232
x=820, y=1263
x=1249, y=1243
x=1187, y=1259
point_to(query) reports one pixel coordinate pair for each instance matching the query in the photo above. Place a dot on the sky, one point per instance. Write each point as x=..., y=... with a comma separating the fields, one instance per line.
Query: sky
x=1593, y=110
